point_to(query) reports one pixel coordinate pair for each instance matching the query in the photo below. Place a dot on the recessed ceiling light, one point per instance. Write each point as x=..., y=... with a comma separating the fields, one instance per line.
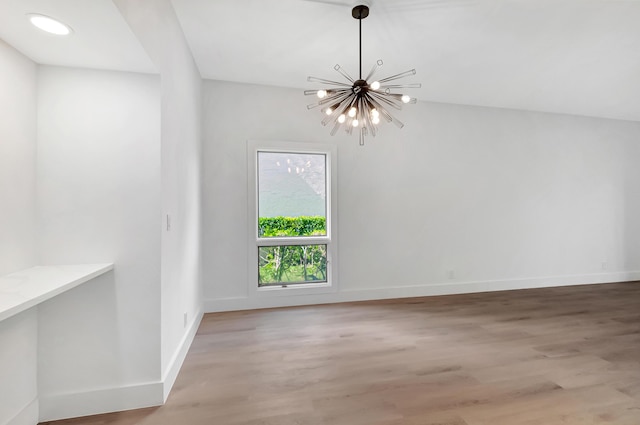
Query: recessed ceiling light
x=48, y=24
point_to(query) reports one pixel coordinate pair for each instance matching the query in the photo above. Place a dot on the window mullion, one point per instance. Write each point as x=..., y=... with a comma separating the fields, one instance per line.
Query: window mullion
x=308, y=240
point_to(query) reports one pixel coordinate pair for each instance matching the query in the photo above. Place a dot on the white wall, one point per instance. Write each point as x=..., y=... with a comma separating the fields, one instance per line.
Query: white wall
x=462, y=199
x=156, y=25
x=182, y=193
x=18, y=248
x=17, y=161
x=99, y=190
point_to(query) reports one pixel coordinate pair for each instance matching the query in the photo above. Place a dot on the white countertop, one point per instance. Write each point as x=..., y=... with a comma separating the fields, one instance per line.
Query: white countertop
x=22, y=290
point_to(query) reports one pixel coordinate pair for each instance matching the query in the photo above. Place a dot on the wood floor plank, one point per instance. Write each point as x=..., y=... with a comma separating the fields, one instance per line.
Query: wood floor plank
x=567, y=355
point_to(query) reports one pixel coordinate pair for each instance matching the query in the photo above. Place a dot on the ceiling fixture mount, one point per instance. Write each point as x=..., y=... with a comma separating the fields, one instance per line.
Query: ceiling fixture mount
x=360, y=104
x=48, y=24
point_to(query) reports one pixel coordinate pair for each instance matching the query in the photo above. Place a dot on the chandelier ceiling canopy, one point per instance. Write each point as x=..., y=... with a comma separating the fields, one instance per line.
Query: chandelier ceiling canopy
x=361, y=104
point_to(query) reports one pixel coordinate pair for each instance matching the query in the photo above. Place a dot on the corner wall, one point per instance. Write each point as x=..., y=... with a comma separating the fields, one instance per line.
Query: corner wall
x=156, y=26
x=463, y=199
x=18, y=247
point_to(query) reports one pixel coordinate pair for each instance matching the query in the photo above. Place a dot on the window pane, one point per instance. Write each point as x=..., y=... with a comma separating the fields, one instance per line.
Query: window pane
x=291, y=194
x=288, y=264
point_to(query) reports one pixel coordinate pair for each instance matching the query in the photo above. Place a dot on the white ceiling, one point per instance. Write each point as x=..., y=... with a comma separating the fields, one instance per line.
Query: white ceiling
x=101, y=39
x=568, y=56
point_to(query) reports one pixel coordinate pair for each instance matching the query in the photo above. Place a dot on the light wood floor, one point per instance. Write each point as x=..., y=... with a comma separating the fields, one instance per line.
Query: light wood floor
x=537, y=357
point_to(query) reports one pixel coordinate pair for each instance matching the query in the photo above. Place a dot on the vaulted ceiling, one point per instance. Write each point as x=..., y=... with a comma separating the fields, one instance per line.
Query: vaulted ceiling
x=567, y=56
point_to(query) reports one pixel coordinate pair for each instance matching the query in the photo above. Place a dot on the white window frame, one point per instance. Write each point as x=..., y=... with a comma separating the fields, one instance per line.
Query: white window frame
x=254, y=241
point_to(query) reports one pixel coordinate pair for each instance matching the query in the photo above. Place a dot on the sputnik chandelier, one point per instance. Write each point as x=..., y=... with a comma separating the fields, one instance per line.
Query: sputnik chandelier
x=360, y=105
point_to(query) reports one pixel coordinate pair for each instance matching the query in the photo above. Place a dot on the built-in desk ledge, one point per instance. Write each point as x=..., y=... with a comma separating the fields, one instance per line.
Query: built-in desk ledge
x=22, y=290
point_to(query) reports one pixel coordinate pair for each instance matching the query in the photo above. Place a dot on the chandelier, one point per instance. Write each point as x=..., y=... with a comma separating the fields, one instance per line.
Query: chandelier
x=360, y=105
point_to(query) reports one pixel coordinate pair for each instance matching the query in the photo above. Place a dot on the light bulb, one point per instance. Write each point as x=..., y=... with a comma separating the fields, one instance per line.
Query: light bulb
x=375, y=113
x=342, y=118
x=354, y=123
x=406, y=98
x=352, y=111
x=322, y=93
x=375, y=120
x=375, y=85
x=329, y=111
x=49, y=25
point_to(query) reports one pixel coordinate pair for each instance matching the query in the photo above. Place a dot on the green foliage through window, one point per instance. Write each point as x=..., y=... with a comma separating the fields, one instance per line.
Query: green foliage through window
x=292, y=226
x=286, y=264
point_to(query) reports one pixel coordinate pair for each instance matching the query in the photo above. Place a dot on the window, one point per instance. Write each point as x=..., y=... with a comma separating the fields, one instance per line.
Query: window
x=291, y=222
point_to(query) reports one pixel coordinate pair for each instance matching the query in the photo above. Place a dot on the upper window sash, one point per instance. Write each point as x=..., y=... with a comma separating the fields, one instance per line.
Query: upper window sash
x=301, y=151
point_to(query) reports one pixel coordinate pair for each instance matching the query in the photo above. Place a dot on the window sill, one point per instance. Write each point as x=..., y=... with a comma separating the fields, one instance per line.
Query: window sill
x=299, y=289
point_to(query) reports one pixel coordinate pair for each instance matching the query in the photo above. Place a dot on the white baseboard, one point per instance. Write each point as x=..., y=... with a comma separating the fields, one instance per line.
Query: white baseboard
x=72, y=405
x=170, y=375
x=94, y=402
x=446, y=288
x=27, y=416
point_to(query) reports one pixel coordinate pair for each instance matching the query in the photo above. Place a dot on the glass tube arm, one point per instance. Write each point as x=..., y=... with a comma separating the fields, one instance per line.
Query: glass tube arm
x=397, y=76
x=402, y=86
x=323, y=81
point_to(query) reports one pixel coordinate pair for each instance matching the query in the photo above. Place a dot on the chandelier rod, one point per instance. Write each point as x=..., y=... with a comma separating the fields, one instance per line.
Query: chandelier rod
x=360, y=37
x=360, y=12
